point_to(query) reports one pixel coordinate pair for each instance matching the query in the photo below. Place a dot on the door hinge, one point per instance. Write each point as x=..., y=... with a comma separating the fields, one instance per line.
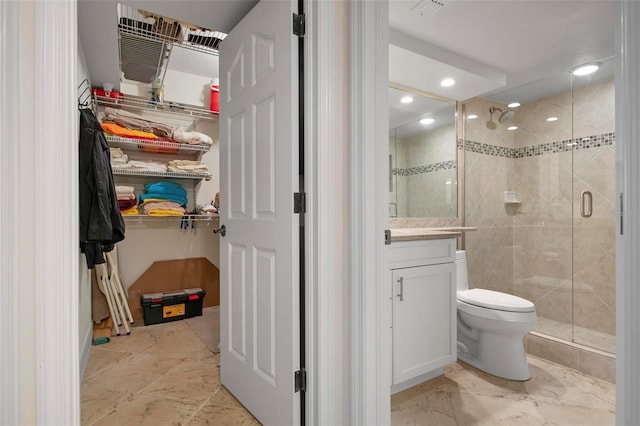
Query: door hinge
x=387, y=237
x=298, y=24
x=300, y=380
x=621, y=214
x=299, y=202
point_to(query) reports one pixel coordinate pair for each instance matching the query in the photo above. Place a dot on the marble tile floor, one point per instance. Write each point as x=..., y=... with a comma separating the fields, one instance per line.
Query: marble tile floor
x=161, y=374
x=165, y=375
x=555, y=395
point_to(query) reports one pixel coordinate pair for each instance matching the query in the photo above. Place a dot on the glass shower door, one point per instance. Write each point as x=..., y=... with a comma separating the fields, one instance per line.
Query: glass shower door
x=593, y=142
x=543, y=223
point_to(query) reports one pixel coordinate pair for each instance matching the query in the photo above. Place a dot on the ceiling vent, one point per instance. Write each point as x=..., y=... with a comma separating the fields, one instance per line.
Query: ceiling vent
x=428, y=7
x=146, y=39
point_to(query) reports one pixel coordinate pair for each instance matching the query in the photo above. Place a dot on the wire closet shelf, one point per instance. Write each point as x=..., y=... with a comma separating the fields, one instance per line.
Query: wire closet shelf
x=155, y=28
x=196, y=217
x=161, y=174
x=168, y=109
x=154, y=146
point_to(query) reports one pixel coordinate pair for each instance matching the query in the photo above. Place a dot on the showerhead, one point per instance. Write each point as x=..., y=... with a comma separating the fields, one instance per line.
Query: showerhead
x=506, y=116
x=503, y=118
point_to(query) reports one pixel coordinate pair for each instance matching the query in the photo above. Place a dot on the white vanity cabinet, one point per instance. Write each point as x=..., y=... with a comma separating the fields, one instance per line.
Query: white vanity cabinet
x=423, y=309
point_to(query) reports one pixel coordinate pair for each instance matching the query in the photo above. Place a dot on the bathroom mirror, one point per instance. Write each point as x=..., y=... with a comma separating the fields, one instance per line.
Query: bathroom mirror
x=422, y=156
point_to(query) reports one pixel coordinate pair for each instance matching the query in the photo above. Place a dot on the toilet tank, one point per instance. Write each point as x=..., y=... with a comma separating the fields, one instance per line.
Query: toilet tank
x=462, y=282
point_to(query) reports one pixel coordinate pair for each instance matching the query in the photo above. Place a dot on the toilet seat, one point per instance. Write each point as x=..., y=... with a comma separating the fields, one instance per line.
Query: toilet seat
x=495, y=300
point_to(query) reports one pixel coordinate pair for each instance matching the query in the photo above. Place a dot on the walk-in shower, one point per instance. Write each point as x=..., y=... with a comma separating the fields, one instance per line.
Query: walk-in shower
x=556, y=246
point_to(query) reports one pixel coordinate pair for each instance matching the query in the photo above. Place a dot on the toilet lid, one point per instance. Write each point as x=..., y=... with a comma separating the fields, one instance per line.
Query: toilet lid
x=495, y=300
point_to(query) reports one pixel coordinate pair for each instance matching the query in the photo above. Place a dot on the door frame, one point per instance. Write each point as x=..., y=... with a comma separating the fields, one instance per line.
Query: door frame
x=348, y=361
x=370, y=277
x=627, y=89
x=40, y=256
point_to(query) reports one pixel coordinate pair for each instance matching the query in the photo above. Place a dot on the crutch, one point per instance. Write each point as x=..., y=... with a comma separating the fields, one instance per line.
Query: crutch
x=111, y=287
x=101, y=274
x=114, y=293
x=112, y=261
x=116, y=314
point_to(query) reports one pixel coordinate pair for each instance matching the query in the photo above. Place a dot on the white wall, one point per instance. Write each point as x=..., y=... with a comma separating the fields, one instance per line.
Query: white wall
x=155, y=240
x=179, y=86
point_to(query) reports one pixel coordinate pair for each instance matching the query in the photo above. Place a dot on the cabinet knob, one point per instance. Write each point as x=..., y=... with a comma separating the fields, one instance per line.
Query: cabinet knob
x=222, y=231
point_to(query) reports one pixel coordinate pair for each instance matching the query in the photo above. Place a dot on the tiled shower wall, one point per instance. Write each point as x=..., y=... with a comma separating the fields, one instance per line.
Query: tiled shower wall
x=489, y=172
x=424, y=165
x=527, y=249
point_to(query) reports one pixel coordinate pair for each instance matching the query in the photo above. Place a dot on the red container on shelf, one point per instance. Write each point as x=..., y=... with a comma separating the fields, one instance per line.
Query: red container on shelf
x=214, y=104
x=101, y=92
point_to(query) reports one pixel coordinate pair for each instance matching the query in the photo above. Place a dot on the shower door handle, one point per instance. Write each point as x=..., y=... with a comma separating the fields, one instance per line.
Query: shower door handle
x=586, y=204
x=401, y=294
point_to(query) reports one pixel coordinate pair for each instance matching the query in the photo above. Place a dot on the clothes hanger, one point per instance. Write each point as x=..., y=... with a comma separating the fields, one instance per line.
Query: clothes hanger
x=84, y=98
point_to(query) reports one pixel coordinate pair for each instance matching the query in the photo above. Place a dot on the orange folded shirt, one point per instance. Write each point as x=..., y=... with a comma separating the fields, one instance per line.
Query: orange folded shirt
x=114, y=129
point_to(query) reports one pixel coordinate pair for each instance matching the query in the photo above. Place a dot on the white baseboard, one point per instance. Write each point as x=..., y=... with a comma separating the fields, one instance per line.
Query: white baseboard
x=86, y=349
x=417, y=380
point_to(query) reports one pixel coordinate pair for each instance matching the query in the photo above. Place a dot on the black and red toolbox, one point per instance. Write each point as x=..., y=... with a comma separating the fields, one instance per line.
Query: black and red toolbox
x=171, y=305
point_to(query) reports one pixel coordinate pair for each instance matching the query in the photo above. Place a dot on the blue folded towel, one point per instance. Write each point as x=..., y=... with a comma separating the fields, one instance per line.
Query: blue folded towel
x=165, y=183
x=166, y=188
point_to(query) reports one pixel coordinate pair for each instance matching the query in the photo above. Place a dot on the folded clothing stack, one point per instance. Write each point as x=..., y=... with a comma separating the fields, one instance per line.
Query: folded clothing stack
x=118, y=157
x=163, y=199
x=126, y=200
x=130, y=125
x=128, y=120
x=187, y=166
x=143, y=166
x=115, y=129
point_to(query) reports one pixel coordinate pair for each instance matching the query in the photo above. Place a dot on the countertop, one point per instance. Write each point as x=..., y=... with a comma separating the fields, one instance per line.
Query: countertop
x=413, y=234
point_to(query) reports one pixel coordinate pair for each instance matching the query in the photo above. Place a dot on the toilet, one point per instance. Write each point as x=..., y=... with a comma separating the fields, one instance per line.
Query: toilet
x=491, y=327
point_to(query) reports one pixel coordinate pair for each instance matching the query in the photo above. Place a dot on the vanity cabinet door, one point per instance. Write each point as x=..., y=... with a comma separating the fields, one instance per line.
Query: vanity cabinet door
x=424, y=320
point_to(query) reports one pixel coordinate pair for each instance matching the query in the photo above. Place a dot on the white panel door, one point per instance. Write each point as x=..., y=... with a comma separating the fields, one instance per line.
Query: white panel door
x=258, y=175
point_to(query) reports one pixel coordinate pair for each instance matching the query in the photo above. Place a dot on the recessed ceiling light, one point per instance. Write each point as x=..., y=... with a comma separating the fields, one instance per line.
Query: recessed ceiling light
x=512, y=128
x=472, y=116
x=586, y=69
x=406, y=100
x=447, y=82
x=426, y=121
x=552, y=119
x=514, y=105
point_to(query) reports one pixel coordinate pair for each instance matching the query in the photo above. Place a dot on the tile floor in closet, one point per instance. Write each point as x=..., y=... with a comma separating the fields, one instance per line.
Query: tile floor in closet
x=163, y=374
x=166, y=375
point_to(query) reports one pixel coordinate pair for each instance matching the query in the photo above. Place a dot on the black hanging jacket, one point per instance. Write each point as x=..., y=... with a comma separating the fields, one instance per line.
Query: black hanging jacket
x=101, y=224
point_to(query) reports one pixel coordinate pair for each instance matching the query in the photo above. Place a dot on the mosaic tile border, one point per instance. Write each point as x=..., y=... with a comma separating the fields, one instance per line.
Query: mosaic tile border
x=487, y=149
x=605, y=139
x=428, y=168
x=596, y=141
